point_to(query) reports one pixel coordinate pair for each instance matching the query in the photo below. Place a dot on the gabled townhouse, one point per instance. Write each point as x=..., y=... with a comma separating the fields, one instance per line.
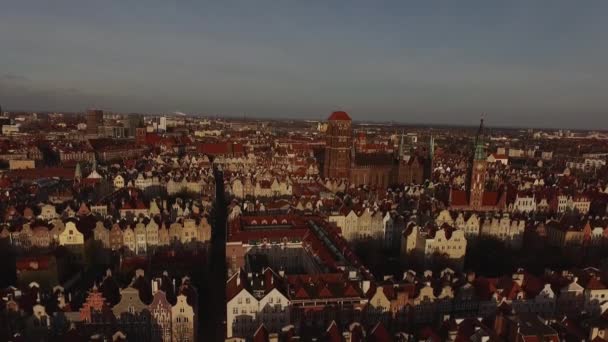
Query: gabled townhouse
x=128, y=239
x=71, y=235
x=253, y=300
x=101, y=234
x=183, y=320
x=116, y=237
x=152, y=232
x=160, y=308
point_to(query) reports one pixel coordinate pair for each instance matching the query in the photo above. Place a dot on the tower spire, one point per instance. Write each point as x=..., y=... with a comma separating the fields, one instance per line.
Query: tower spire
x=479, y=148
x=431, y=146
x=480, y=129
x=401, y=146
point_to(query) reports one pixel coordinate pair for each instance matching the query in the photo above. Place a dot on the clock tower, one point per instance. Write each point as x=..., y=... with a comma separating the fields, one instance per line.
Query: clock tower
x=478, y=175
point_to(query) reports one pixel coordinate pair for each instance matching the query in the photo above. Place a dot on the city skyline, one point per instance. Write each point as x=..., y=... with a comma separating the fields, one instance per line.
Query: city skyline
x=526, y=65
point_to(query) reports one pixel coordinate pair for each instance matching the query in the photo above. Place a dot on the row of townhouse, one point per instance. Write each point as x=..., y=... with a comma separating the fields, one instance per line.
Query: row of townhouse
x=246, y=187
x=444, y=244
x=507, y=228
x=527, y=203
x=276, y=301
x=145, y=236
x=136, y=208
x=190, y=185
x=41, y=236
x=575, y=231
x=173, y=186
x=167, y=311
x=158, y=321
x=586, y=164
x=137, y=239
x=364, y=224
x=424, y=298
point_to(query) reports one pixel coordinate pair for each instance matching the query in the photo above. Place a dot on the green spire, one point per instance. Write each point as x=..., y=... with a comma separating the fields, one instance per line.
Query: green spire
x=480, y=149
x=432, y=147
x=401, y=146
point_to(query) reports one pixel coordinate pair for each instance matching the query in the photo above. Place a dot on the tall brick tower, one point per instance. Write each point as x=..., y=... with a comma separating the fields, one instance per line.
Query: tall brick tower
x=478, y=172
x=338, y=146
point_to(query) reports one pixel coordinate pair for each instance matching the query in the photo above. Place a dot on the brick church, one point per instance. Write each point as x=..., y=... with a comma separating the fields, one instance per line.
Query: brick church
x=379, y=169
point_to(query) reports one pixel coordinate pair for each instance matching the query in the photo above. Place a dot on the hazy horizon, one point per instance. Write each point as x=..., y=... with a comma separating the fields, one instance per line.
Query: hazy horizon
x=526, y=64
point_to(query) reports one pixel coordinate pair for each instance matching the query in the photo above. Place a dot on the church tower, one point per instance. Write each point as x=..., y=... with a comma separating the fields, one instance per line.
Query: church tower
x=478, y=172
x=430, y=160
x=338, y=144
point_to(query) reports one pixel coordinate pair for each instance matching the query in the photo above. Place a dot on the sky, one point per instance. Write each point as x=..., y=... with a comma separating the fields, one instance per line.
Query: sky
x=523, y=63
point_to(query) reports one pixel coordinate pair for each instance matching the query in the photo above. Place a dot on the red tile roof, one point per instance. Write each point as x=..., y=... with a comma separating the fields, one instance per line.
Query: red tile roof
x=33, y=263
x=490, y=198
x=339, y=115
x=459, y=198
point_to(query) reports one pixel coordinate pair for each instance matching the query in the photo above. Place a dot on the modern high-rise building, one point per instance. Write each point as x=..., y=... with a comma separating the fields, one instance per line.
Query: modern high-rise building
x=162, y=124
x=133, y=122
x=94, y=120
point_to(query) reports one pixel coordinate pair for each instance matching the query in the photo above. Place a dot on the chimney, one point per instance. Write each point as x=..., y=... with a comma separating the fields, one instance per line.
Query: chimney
x=154, y=286
x=238, y=279
x=282, y=273
x=273, y=337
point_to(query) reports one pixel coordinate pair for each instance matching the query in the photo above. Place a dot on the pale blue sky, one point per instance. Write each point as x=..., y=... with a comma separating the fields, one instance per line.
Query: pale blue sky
x=536, y=63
